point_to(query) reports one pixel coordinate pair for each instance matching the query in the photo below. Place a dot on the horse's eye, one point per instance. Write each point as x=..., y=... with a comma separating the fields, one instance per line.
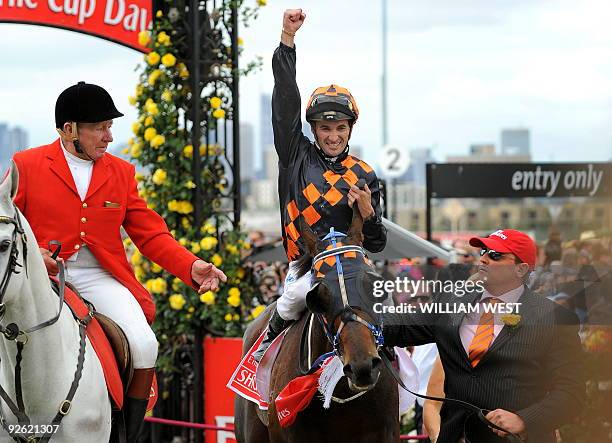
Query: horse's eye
x=5, y=245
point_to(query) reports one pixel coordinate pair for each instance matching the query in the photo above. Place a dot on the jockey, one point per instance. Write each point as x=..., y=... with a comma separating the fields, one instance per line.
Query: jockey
x=73, y=191
x=316, y=181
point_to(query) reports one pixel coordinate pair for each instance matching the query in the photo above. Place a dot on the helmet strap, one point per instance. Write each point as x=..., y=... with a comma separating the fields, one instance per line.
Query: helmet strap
x=74, y=138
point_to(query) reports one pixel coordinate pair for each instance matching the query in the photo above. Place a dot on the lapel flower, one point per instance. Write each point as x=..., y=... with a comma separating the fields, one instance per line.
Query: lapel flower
x=511, y=320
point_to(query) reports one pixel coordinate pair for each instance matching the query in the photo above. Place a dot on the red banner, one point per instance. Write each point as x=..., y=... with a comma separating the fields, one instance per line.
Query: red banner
x=117, y=20
x=221, y=356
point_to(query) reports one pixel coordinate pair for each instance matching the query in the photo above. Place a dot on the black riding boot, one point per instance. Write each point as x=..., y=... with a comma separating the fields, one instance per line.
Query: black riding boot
x=276, y=326
x=134, y=411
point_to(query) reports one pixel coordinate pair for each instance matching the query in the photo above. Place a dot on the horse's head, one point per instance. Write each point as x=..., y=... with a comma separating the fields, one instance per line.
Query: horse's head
x=342, y=294
x=11, y=236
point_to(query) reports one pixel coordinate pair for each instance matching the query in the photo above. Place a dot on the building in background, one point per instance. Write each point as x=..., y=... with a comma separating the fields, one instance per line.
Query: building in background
x=516, y=141
x=12, y=140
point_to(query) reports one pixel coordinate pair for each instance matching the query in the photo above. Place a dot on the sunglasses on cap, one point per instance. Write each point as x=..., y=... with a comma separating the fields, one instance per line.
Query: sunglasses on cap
x=493, y=255
x=339, y=99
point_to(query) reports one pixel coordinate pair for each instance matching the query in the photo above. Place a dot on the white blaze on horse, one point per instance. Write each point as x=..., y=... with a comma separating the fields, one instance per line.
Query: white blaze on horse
x=50, y=355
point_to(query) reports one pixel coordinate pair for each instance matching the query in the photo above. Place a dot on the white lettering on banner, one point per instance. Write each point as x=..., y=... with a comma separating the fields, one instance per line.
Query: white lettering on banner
x=225, y=421
x=247, y=378
x=549, y=181
x=499, y=233
x=30, y=4
x=282, y=414
x=81, y=8
x=135, y=19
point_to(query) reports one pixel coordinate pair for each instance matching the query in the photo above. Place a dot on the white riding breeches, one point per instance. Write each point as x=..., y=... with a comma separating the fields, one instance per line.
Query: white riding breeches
x=114, y=300
x=292, y=303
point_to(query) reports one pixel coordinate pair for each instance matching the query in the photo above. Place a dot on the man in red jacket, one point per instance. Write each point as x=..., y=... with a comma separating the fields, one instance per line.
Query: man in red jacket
x=73, y=191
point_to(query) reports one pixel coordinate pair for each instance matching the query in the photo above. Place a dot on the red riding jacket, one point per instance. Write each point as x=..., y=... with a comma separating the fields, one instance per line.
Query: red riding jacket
x=48, y=198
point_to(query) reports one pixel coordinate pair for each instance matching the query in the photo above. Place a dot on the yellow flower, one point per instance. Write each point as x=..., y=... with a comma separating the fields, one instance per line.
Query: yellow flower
x=195, y=247
x=132, y=100
x=208, y=229
x=153, y=76
x=163, y=38
x=219, y=113
x=136, y=150
x=138, y=177
x=233, y=301
x=240, y=273
x=159, y=14
x=136, y=258
x=188, y=151
x=257, y=310
x=182, y=241
x=183, y=71
x=148, y=121
x=139, y=273
x=168, y=60
x=511, y=320
x=149, y=134
x=262, y=2
x=156, y=268
x=190, y=185
x=157, y=141
x=208, y=298
x=186, y=208
x=177, y=283
x=151, y=107
x=125, y=150
x=152, y=58
x=144, y=38
x=240, y=41
x=177, y=301
x=166, y=96
x=156, y=285
x=139, y=90
x=216, y=260
x=236, y=317
x=159, y=176
x=136, y=128
x=215, y=102
x=234, y=292
x=185, y=223
x=232, y=249
x=161, y=158
x=208, y=243
x=228, y=317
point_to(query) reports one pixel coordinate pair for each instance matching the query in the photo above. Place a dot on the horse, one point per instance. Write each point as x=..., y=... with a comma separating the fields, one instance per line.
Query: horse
x=350, y=328
x=41, y=347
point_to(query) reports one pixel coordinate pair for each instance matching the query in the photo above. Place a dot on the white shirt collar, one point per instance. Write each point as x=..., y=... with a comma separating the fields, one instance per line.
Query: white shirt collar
x=74, y=158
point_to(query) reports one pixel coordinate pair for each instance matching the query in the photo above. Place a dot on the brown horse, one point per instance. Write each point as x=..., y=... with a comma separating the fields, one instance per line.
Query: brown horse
x=354, y=327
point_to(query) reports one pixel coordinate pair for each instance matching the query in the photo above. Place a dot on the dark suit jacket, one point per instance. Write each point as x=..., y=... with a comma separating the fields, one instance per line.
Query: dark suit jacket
x=532, y=369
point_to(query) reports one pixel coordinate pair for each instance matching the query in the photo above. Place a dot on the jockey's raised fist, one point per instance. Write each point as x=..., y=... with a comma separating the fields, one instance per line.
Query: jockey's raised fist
x=293, y=20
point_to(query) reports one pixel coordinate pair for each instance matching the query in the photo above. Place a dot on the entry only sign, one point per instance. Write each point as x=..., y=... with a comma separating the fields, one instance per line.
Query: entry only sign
x=116, y=20
x=517, y=180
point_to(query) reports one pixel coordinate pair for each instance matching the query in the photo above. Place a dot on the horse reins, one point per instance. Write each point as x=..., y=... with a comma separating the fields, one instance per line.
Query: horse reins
x=349, y=315
x=12, y=332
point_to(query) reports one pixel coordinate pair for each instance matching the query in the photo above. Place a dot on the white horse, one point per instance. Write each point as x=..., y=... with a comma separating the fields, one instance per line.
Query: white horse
x=50, y=354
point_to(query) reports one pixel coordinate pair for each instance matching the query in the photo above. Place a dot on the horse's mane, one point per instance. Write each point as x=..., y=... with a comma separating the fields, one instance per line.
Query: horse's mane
x=304, y=264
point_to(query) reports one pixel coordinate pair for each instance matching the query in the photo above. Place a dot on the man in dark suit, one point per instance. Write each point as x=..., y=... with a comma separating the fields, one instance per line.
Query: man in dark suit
x=525, y=368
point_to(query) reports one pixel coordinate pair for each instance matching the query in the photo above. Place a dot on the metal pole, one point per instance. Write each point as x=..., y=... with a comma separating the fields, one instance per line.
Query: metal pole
x=428, y=191
x=196, y=136
x=236, y=115
x=385, y=134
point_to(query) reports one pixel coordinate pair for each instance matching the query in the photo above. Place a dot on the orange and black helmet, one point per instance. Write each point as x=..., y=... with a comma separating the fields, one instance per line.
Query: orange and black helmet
x=331, y=102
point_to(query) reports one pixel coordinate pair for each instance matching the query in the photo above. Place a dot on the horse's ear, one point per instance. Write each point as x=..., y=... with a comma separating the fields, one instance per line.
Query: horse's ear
x=8, y=186
x=14, y=179
x=310, y=238
x=355, y=232
x=318, y=299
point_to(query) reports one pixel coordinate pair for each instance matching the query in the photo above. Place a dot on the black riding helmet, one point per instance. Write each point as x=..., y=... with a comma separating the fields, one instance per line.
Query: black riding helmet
x=84, y=103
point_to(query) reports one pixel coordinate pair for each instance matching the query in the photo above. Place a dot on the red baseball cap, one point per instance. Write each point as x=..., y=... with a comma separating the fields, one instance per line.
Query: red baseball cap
x=509, y=240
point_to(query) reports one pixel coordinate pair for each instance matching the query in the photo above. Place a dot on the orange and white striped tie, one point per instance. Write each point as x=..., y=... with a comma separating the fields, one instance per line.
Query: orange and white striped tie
x=484, y=334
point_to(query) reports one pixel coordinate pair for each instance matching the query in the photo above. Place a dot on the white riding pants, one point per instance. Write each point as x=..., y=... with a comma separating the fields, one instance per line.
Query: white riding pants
x=114, y=300
x=292, y=303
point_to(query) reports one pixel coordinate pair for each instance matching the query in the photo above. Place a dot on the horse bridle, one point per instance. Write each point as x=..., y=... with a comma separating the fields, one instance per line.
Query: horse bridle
x=12, y=332
x=348, y=315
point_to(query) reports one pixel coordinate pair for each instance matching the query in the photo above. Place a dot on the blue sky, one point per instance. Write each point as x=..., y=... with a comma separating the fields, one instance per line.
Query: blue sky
x=458, y=72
